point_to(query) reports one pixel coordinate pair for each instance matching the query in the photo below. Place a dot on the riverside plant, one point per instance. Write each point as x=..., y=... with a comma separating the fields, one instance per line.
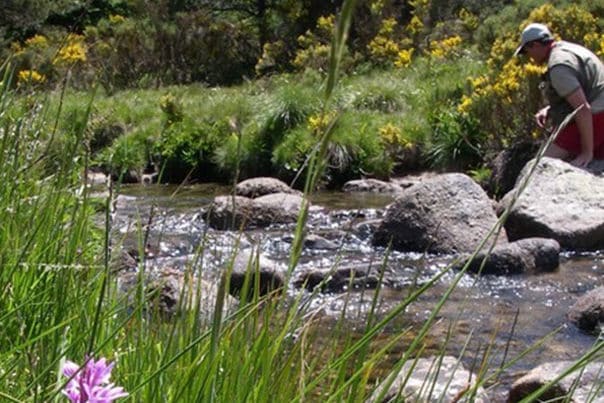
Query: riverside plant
x=61, y=298
x=90, y=383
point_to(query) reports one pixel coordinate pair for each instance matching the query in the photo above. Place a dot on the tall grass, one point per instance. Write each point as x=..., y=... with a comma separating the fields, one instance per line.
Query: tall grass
x=60, y=299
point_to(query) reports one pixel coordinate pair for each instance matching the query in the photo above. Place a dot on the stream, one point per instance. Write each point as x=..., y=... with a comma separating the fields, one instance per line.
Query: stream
x=510, y=313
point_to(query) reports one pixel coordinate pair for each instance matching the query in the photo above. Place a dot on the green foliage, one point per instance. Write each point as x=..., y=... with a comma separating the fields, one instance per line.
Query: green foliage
x=457, y=141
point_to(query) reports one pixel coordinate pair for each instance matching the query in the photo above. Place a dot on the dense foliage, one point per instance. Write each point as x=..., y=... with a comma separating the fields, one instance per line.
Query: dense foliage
x=472, y=97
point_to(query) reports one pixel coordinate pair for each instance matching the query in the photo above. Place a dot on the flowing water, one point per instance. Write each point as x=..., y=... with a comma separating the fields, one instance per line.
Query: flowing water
x=508, y=314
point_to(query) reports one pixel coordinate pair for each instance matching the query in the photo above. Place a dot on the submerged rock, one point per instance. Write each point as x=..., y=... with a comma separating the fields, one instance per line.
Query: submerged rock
x=442, y=379
x=588, y=312
x=582, y=385
x=526, y=256
x=338, y=279
x=170, y=293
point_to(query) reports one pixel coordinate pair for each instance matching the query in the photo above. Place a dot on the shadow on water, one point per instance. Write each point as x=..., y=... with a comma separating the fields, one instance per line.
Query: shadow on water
x=484, y=310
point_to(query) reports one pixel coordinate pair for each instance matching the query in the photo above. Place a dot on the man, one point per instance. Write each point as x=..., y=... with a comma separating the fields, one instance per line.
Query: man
x=574, y=78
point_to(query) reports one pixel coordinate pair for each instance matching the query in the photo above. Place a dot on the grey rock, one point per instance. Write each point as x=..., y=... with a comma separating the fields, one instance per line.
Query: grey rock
x=371, y=185
x=434, y=379
x=260, y=186
x=449, y=213
x=584, y=385
x=525, y=256
x=561, y=202
x=587, y=313
x=235, y=213
x=249, y=269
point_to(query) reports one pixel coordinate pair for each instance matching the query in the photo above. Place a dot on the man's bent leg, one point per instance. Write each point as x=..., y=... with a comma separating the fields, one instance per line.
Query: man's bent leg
x=555, y=151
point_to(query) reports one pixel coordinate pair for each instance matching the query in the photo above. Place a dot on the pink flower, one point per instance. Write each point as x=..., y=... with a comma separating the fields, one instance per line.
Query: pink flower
x=91, y=383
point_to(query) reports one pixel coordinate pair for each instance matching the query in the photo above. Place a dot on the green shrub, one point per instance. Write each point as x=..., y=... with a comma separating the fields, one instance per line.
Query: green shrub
x=456, y=143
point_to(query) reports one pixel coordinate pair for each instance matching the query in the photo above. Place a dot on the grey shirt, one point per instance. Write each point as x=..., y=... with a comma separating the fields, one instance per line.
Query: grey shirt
x=571, y=66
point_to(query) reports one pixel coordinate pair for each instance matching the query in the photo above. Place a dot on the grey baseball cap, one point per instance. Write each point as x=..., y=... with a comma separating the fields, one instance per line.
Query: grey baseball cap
x=533, y=32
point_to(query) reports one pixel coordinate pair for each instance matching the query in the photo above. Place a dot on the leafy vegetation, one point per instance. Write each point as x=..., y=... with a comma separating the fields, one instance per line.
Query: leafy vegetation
x=418, y=82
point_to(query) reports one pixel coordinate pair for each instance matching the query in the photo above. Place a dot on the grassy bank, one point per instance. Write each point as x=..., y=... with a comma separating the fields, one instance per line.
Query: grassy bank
x=389, y=122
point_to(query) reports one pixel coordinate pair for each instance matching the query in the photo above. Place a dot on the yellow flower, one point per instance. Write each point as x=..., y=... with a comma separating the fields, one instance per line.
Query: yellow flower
x=390, y=134
x=74, y=51
x=441, y=49
x=326, y=24
x=415, y=25
x=404, y=58
x=116, y=19
x=388, y=25
x=465, y=105
x=469, y=20
x=531, y=69
x=376, y=6
x=37, y=41
x=30, y=77
x=319, y=123
x=16, y=48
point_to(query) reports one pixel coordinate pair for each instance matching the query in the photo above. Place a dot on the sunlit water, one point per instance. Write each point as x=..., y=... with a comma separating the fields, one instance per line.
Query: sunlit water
x=507, y=314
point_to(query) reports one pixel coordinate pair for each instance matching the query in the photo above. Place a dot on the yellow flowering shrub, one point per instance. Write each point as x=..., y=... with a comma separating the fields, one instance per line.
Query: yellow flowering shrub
x=172, y=109
x=383, y=48
x=445, y=47
x=30, y=77
x=376, y=7
x=272, y=52
x=74, y=51
x=469, y=20
x=415, y=26
x=314, y=47
x=595, y=42
x=403, y=58
x=421, y=12
x=116, y=19
x=392, y=136
x=37, y=41
x=318, y=123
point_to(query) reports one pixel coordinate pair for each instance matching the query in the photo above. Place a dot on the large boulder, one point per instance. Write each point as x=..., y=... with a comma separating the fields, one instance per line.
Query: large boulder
x=588, y=312
x=260, y=186
x=560, y=202
x=449, y=213
x=525, y=256
x=583, y=385
x=442, y=379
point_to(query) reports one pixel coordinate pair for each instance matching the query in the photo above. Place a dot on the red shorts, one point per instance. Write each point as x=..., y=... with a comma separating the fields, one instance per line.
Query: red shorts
x=570, y=138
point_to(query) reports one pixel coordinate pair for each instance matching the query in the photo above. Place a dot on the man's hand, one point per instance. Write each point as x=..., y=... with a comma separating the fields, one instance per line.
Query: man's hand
x=541, y=117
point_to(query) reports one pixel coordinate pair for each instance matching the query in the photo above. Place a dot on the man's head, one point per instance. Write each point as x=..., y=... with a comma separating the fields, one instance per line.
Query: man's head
x=531, y=35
